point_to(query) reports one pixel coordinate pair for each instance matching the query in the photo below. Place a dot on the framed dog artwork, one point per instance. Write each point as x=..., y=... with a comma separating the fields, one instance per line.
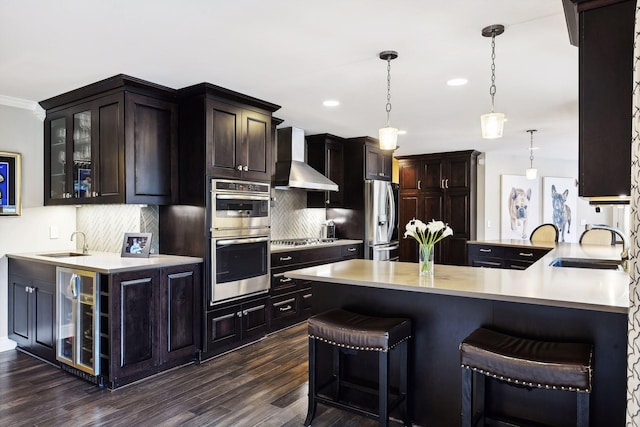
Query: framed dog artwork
x=559, y=206
x=10, y=183
x=519, y=206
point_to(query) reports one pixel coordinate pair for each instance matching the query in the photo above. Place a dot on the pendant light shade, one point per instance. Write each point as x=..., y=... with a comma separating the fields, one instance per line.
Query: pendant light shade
x=531, y=172
x=388, y=135
x=492, y=123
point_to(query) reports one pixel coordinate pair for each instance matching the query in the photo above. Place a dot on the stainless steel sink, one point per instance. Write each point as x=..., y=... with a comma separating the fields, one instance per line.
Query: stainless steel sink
x=63, y=254
x=600, y=264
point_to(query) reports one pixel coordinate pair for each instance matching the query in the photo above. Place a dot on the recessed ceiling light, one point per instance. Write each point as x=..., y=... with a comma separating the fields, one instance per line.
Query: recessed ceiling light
x=457, y=82
x=402, y=132
x=331, y=103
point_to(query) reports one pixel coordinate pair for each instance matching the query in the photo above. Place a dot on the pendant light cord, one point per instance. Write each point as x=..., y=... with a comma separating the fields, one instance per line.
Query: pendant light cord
x=531, y=147
x=492, y=88
x=388, y=106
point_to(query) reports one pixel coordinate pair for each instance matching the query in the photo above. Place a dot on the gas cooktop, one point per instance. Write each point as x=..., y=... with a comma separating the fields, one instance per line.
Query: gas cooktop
x=306, y=241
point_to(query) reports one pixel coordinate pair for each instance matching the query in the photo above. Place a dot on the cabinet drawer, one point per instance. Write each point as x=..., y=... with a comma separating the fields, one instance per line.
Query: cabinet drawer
x=280, y=284
x=351, y=251
x=530, y=255
x=306, y=300
x=492, y=251
x=284, y=307
x=279, y=259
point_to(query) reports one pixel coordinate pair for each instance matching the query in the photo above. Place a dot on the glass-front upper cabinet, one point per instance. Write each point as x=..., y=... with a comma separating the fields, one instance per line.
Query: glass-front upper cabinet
x=58, y=158
x=82, y=154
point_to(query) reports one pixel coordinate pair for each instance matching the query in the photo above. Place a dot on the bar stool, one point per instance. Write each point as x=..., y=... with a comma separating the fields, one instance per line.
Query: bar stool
x=540, y=364
x=347, y=331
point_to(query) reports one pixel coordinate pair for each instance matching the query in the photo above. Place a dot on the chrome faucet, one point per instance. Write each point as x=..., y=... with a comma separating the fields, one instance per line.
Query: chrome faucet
x=85, y=247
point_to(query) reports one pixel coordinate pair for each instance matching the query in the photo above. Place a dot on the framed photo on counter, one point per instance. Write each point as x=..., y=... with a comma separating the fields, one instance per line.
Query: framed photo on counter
x=136, y=245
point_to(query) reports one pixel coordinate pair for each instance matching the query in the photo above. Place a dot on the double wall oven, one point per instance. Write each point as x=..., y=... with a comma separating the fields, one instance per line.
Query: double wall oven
x=240, y=235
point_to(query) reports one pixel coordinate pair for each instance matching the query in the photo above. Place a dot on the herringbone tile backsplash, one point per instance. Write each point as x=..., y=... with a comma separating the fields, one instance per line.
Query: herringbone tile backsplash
x=105, y=225
x=290, y=217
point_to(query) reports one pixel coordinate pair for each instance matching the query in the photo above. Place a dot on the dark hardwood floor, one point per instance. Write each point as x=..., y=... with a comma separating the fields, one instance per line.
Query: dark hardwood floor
x=263, y=384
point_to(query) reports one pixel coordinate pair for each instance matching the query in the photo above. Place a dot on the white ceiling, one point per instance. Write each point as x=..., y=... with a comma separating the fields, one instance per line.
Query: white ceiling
x=297, y=53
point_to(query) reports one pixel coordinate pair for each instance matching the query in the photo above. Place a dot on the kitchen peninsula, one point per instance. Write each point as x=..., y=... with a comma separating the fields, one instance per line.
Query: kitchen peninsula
x=541, y=302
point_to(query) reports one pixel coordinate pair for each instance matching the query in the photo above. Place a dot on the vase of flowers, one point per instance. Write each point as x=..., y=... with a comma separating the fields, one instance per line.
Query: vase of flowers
x=427, y=235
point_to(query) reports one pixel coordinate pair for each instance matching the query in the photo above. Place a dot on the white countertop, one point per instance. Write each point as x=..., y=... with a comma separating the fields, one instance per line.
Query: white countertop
x=582, y=288
x=107, y=262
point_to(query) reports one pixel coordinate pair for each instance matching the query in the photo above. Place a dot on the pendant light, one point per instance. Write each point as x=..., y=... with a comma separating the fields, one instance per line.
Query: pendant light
x=531, y=172
x=388, y=135
x=492, y=123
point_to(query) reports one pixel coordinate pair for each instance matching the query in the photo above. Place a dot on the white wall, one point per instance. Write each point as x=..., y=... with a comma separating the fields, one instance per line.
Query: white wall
x=21, y=131
x=493, y=165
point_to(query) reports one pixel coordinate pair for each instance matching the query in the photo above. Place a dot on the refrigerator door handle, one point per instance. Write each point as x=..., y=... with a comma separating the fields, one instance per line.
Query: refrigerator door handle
x=392, y=212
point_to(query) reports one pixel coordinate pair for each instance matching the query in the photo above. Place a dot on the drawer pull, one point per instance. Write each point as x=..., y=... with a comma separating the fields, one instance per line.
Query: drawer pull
x=285, y=279
x=285, y=258
x=252, y=309
x=527, y=254
x=488, y=251
x=352, y=249
x=285, y=308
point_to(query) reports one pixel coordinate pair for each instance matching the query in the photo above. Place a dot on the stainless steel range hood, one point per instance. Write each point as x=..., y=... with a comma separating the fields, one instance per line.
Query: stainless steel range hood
x=291, y=169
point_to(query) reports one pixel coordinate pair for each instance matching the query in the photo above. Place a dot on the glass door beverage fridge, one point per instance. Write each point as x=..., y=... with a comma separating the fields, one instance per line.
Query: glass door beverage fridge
x=77, y=305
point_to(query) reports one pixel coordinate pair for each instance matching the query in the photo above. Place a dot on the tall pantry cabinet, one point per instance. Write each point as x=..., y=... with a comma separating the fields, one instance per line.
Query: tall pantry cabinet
x=439, y=186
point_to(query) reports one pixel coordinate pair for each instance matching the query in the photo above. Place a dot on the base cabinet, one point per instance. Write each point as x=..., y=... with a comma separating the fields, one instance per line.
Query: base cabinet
x=154, y=321
x=32, y=308
x=508, y=257
x=233, y=324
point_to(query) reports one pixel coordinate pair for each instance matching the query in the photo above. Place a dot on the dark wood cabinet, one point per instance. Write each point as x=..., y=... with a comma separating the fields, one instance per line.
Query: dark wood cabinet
x=154, y=320
x=223, y=134
x=32, y=308
x=377, y=163
x=291, y=299
x=441, y=187
x=233, y=324
x=511, y=257
x=606, y=37
x=325, y=153
x=115, y=141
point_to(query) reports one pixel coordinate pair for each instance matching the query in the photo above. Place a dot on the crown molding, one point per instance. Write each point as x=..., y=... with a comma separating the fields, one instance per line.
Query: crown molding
x=25, y=104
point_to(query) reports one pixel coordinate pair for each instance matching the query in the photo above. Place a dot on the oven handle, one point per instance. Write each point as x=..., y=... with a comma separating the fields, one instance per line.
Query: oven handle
x=386, y=248
x=242, y=241
x=240, y=197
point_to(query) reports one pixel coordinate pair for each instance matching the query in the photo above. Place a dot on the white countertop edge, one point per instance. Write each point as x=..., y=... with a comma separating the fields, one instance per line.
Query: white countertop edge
x=107, y=262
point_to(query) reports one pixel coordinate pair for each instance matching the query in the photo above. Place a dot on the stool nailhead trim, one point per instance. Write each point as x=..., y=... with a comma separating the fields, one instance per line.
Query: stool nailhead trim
x=516, y=381
x=359, y=348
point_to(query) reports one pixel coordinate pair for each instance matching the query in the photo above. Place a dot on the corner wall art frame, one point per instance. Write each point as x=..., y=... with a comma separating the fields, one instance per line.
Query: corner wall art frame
x=10, y=184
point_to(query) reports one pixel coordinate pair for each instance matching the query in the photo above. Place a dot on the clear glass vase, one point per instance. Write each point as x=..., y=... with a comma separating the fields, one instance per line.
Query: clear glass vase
x=425, y=260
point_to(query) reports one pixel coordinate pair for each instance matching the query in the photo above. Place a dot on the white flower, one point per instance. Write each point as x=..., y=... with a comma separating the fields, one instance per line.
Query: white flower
x=435, y=226
x=427, y=235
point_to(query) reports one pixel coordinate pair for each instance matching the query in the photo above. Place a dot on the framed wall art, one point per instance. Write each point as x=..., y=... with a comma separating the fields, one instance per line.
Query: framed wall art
x=559, y=206
x=519, y=206
x=136, y=245
x=10, y=183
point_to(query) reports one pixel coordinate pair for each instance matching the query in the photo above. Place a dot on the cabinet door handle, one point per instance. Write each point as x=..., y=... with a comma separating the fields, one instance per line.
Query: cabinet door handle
x=380, y=173
x=239, y=314
x=442, y=183
x=245, y=168
x=419, y=184
x=239, y=167
x=285, y=258
x=485, y=250
x=446, y=183
x=528, y=254
x=252, y=309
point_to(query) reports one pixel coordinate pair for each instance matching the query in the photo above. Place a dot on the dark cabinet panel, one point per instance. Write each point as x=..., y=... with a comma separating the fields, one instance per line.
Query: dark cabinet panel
x=224, y=327
x=224, y=136
x=32, y=308
x=256, y=150
x=325, y=153
x=441, y=187
x=377, y=162
x=112, y=142
x=605, y=99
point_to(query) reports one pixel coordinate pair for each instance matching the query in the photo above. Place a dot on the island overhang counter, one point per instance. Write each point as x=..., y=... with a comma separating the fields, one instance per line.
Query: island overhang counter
x=542, y=302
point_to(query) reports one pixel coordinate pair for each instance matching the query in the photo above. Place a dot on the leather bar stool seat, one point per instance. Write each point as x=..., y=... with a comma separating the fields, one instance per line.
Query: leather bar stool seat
x=531, y=363
x=355, y=332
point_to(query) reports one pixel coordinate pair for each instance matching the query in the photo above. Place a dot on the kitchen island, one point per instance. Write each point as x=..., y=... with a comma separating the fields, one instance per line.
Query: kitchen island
x=542, y=302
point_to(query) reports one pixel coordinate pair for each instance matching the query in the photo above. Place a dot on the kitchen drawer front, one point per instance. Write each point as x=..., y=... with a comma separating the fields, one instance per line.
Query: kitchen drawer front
x=284, y=309
x=530, y=255
x=281, y=284
x=486, y=262
x=326, y=254
x=280, y=259
x=306, y=302
x=351, y=251
x=476, y=250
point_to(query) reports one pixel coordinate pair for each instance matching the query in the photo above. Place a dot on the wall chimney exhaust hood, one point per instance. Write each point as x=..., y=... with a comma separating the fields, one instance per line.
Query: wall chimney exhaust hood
x=291, y=169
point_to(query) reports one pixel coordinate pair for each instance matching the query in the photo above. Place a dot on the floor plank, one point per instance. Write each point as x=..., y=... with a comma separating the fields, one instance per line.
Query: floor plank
x=263, y=384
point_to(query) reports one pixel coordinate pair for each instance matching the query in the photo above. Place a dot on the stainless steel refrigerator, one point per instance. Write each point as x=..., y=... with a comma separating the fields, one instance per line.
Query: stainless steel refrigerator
x=381, y=220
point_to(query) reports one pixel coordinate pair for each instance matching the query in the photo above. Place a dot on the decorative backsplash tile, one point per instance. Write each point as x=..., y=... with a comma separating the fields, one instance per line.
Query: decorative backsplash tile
x=105, y=225
x=290, y=217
